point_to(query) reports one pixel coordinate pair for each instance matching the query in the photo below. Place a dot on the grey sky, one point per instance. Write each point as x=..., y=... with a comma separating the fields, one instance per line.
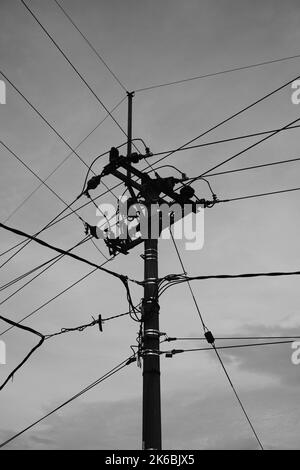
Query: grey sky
x=146, y=43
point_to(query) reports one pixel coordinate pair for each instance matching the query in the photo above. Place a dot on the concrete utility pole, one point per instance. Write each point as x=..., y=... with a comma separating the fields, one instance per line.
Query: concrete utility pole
x=150, y=342
x=150, y=324
x=152, y=192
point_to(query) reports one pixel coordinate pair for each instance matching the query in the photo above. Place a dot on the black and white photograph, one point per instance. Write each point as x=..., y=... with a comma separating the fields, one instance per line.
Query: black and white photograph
x=149, y=227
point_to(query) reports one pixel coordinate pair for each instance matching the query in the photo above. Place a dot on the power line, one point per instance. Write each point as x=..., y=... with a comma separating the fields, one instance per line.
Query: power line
x=200, y=145
x=81, y=328
x=59, y=250
x=251, y=196
x=214, y=74
x=250, y=135
x=98, y=249
x=222, y=141
x=61, y=163
x=74, y=397
x=26, y=243
x=182, y=278
x=49, y=124
x=211, y=340
x=232, y=346
x=49, y=264
x=237, y=397
x=236, y=170
x=91, y=46
x=52, y=299
x=249, y=147
x=73, y=67
x=224, y=121
x=53, y=220
x=229, y=338
x=189, y=284
x=38, y=177
x=26, y=328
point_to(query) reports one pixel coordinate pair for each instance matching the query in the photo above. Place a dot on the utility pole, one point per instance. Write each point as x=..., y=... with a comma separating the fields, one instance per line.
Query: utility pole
x=130, y=96
x=150, y=343
x=150, y=323
x=154, y=193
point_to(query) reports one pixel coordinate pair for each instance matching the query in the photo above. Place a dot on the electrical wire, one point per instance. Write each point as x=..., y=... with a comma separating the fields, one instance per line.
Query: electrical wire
x=18, y=367
x=232, y=346
x=189, y=284
x=249, y=147
x=91, y=46
x=52, y=299
x=98, y=249
x=25, y=243
x=38, y=177
x=182, y=278
x=222, y=141
x=214, y=74
x=49, y=124
x=253, y=167
x=74, y=68
x=251, y=196
x=211, y=143
x=218, y=355
x=229, y=338
x=49, y=264
x=61, y=164
x=229, y=118
x=106, y=153
x=74, y=397
x=81, y=328
x=64, y=252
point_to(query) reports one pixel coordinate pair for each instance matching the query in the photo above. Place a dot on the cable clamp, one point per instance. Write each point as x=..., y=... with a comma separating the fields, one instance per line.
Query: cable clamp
x=170, y=354
x=152, y=332
x=150, y=352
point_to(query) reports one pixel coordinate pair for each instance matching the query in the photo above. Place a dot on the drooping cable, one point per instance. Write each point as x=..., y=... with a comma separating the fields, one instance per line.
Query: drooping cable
x=91, y=46
x=74, y=397
x=214, y=74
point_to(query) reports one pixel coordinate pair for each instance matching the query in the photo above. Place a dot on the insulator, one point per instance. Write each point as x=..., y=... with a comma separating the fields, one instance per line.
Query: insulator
x=209, y=337
x=113, y=154
x=186, y=193
x=93, y=183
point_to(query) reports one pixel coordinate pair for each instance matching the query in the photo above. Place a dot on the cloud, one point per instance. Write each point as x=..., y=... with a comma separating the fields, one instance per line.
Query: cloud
x=267, y=360
x=213, y=422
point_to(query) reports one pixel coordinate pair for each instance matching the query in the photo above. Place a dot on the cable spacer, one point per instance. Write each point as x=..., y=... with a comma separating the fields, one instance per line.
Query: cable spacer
x=150, y=352
x=152, y=332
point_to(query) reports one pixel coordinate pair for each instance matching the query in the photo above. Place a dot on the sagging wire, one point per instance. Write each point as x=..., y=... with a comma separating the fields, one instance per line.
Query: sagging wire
x=30, y=330
x=113, y=371
x=45, y=337
x=33, y=270
x=211, y=341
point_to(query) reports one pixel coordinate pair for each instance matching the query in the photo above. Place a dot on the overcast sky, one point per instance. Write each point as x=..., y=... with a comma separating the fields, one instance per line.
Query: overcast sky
x=146, y=43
